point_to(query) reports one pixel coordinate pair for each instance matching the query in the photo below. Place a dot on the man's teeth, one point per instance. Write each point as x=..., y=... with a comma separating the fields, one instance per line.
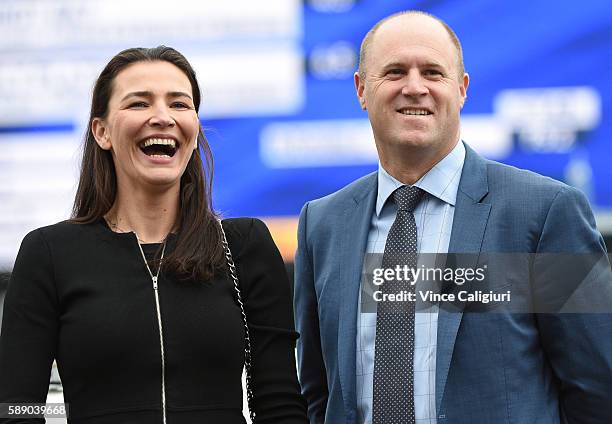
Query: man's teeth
x=161, y=141
x=415, y=112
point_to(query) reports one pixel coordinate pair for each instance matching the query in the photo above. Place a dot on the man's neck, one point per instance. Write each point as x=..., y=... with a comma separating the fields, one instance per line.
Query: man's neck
x=409, y=166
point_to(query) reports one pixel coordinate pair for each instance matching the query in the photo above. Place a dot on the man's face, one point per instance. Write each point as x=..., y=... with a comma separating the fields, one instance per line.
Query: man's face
x=412, y=89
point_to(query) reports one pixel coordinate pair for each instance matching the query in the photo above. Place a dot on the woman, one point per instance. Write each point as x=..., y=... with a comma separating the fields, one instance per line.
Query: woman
x=160, y=339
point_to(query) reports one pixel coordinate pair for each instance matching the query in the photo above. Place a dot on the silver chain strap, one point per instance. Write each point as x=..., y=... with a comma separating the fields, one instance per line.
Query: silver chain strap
x=247, y=338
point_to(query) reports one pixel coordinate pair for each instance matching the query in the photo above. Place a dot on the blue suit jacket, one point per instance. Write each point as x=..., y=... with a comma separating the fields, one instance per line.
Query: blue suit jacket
x=490, y=368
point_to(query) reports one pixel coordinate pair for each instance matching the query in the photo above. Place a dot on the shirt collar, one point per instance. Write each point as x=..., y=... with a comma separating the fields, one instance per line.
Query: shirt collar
x=441, y=181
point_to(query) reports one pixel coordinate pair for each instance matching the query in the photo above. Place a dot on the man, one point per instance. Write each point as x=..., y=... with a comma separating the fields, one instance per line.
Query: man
x=432, y=193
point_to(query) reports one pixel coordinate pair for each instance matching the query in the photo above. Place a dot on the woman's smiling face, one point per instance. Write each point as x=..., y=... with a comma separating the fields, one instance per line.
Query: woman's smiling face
x=151, y=127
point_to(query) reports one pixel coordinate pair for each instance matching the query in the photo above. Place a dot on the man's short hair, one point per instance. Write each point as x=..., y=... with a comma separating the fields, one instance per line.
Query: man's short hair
x=367, y=40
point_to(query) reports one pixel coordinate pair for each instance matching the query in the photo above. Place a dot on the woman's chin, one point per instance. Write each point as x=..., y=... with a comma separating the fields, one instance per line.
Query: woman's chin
x=158, y=178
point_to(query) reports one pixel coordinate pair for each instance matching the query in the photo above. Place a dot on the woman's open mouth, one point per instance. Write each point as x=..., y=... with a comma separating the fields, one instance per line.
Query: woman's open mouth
x=159, y=147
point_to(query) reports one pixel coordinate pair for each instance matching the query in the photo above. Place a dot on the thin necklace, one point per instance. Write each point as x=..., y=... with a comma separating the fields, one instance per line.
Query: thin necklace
x=144, y=258
x=117, y=229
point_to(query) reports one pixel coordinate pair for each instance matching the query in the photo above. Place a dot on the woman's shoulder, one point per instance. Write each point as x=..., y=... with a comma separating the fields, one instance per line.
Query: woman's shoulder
x=259, y=262
x=38, y=245
x=61, y=232
x=243, y=226
x=61, y=229
x=246, y=233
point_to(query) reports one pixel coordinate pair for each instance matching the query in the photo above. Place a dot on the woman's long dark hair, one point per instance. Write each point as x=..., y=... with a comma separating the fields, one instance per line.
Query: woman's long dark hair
x=198, y=252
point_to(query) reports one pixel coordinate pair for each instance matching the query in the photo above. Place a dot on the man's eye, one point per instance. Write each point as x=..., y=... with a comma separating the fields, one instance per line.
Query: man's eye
x=433, y=72
x=395, y=73
x=137, y=105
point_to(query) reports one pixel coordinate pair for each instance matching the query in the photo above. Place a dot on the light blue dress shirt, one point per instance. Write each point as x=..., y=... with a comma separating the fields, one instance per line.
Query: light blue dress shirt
x=434, y=220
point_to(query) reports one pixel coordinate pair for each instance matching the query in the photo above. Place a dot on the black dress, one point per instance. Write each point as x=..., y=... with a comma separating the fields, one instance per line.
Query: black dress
x=81, y=294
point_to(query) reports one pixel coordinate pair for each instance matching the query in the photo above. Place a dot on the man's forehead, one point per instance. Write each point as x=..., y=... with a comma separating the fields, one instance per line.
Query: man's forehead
x=412, y=30
x=417, y=26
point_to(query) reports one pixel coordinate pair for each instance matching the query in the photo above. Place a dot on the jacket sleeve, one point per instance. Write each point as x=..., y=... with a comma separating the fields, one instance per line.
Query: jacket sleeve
x=578, y=344
x=310, y=358
x=267, y=298
x=29, y=327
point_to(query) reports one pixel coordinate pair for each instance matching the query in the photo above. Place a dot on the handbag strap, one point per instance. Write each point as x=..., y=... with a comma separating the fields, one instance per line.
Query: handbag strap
x=247, y=339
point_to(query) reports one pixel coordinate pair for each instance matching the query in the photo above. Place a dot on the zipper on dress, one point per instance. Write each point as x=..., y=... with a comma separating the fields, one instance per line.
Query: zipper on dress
x=159, y=324
x=161, y=348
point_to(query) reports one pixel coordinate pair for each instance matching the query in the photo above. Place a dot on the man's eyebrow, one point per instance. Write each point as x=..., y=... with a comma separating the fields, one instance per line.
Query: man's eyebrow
x=433, y=65
x=393, y=65
x=150, y=94
x=428, y=64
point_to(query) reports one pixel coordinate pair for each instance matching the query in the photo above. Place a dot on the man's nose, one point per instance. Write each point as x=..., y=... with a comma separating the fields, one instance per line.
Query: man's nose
x=414, y=84
x=161, y=117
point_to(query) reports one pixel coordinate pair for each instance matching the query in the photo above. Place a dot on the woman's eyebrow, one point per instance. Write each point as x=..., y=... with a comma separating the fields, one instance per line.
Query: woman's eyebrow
x=150, y=94
x=178, y=94
x=137, y=94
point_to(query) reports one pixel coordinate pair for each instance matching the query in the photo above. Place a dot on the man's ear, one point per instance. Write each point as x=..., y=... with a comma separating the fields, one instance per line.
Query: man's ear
x=101, y=133
x=465, y=83
x=359, y=88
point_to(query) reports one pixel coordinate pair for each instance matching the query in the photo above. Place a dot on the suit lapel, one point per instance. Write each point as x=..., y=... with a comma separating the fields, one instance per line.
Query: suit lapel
x=355, y=226
x=469, y=224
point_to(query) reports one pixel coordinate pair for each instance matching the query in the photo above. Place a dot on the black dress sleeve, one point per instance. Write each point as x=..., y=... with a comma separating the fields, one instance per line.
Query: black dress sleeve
x=266, y=293
x=28, y=337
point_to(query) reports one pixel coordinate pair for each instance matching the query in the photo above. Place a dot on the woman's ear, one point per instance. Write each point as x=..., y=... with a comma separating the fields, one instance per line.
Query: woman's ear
x=101, y=133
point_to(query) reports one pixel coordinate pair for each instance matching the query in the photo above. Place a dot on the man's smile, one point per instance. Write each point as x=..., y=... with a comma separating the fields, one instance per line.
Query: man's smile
x=414, y=111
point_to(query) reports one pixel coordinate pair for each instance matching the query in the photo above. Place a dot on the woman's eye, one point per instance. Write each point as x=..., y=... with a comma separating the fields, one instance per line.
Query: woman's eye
x=180, y=105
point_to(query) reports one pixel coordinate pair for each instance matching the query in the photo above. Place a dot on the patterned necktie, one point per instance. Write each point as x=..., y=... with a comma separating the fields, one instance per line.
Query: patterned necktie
x=393, y=401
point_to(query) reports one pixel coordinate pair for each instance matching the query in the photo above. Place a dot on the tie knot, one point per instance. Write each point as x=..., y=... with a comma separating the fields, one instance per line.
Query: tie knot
x=407, y=197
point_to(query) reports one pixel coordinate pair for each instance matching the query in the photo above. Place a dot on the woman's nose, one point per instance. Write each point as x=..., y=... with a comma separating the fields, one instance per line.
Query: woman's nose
x=161, y=117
